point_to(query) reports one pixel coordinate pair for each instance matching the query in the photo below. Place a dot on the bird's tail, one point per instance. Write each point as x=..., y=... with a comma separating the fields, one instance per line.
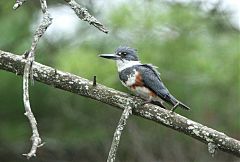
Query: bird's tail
x=177, y=103
x=182, y=105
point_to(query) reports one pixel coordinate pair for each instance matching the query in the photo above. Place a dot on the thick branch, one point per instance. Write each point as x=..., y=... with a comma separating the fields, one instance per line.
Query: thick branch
x=84, y=87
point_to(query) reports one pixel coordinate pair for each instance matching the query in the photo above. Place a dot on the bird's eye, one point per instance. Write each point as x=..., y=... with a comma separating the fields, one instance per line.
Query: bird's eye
x=122, y=53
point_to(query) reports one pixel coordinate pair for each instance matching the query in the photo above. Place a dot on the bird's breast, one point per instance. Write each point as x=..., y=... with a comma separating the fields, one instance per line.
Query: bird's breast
x=135, y=83
x=134, y=79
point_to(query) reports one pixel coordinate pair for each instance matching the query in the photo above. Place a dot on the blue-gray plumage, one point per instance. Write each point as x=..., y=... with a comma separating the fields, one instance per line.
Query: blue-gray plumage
x=143, y=79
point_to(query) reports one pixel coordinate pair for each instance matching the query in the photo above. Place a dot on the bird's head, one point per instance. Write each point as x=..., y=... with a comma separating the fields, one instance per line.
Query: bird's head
x=122, y=53
x=125, y=57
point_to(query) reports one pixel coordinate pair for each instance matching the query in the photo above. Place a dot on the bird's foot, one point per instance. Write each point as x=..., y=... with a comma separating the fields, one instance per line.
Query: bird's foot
x=159, y=103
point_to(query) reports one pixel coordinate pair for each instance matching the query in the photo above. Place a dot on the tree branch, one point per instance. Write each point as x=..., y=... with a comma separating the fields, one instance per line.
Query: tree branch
x=117, y=135
x=75, y=84
x=18, y=3
x=84, y=15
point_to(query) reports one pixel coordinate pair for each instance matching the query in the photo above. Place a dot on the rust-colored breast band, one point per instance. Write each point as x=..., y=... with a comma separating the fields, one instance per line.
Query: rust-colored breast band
x=138, y=80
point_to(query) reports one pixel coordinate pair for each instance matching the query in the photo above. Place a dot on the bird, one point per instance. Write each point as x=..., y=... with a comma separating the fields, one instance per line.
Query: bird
x=142, y=79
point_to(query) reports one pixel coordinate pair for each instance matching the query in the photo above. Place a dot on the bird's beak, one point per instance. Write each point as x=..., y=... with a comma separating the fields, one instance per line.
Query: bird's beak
x=110, y=56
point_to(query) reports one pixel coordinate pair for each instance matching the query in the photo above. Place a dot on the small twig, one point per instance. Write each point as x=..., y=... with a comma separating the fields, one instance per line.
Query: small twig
x=18, y=3
x=212, y=148
x=117, y=135
x=25, y=54
x=94, y=80
x=36, y=140
x=84, y=15
x=45, y=23
x=55, y=71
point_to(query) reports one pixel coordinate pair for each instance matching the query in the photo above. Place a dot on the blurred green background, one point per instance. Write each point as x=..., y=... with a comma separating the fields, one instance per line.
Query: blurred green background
x=196, y=48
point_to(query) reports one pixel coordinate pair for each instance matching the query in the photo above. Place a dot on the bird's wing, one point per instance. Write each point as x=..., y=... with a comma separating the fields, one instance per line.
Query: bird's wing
x=154, y=69
x=151, y=79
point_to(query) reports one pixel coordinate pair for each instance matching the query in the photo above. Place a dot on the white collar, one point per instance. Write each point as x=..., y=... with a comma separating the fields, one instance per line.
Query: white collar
x=123, y=64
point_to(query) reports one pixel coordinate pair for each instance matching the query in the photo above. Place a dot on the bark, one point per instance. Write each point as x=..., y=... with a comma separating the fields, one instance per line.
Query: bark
x=81, y=86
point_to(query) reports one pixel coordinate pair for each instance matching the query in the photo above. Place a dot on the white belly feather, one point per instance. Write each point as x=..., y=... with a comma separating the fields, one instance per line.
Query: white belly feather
x=131, y=78
x=140, y=91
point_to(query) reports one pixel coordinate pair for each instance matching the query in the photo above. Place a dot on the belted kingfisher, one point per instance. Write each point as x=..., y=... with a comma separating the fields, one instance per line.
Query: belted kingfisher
x=143, y=79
